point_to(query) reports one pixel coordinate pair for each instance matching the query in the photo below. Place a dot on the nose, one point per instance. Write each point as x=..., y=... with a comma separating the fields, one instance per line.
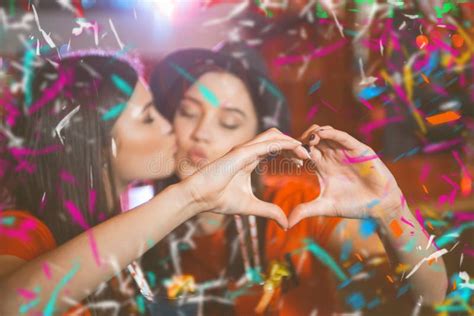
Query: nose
x=202, y=132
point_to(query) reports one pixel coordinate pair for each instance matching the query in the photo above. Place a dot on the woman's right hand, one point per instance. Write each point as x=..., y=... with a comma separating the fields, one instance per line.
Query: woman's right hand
x=224, y=186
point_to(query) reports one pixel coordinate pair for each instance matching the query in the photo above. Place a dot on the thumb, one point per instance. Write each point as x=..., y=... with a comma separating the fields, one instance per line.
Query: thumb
x=264, y=209
x=318, y=207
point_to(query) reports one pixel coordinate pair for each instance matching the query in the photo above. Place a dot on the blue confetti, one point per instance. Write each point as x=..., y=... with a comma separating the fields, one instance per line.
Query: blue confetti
x=371, y=92
x=49, y=309
x=314, y=87
x=114, y=112
x=206, y=92
x=122, y=85
x=374, y=303
x=356, y=300
x=346, y=250
x=367, y=227
x=355, y=268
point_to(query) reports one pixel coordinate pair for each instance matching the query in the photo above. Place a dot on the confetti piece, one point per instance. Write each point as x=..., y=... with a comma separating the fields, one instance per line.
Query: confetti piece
x=425, y=189
x=46, y=270
x=312, y=113
x=26, y=307
x=466, y=185
x=422, y=41
x=430, y=241
x=28, y=73
x=205, y=92
x=114, y=112
x=140, y=304
x=451, y=235
x=112, y=26
x=92, y=200
x=27, y=294
x=64, y=122
x=374, y=303
x=403, y=219
x=371, y=92
x=346, y=250
x=396, y=228
x=356, y=300
x=52, y=91
x=76, y=215
x=359, y=159
x=49, y=309
x=425, y=78
x=8, y=220
x=314, y=87
x=273, y=90
x=434, y=255
x=325, y=258
x=457, y=40
x=367, y=228
x=442, y=118
x=122, y=85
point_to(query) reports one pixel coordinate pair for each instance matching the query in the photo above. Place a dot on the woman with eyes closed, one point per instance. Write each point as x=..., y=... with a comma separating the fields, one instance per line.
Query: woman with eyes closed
x=217, y=101
x=89, y=131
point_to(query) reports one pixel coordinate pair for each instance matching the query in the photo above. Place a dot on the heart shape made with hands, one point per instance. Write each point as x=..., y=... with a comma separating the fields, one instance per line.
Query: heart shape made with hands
x=354, y=182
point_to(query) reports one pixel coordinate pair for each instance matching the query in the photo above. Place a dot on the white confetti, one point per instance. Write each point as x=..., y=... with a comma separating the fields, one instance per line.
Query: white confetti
x=64, y=122
x=115, y=33
x=434, y=255
x=430, y=241
x=46, y=36
x=465, y=277
x=236, y=11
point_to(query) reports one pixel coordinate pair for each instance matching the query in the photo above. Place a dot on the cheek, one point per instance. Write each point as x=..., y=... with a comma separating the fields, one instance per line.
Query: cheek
x=183, y=130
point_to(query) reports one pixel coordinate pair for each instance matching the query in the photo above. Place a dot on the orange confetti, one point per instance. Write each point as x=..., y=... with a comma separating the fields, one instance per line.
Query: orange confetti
x=359, y=257
x=430, y=262
x=422, y=41
x=454, y=285
x=457, y=40
x=429, y=225
x=466, y=185
x=389, y=278
x=396, y=228
x=425, y=78
x=445, y=117
x=425, y=189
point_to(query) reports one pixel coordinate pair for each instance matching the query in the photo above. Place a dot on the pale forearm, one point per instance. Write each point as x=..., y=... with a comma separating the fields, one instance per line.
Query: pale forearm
x=429, y=281
x=121, y=239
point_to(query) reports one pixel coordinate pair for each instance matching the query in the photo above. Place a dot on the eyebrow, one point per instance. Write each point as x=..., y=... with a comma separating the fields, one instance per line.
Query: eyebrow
x=150, y=103
x=198, y=102
x=192, y=99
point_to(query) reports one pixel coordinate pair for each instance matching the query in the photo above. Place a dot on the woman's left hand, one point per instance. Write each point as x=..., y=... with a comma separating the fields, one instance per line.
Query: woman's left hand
x=354, y=181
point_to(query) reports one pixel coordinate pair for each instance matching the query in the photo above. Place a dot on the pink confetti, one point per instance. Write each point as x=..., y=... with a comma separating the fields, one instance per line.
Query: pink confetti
x=425, y=170
x=27, y=294
x=92, y=199
x=47, y=270
x=79, y=219
x=460, y=163
x=421, y=221
x=359, y=159
x=403, y=219
x=51, y=92
x=67, y=177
